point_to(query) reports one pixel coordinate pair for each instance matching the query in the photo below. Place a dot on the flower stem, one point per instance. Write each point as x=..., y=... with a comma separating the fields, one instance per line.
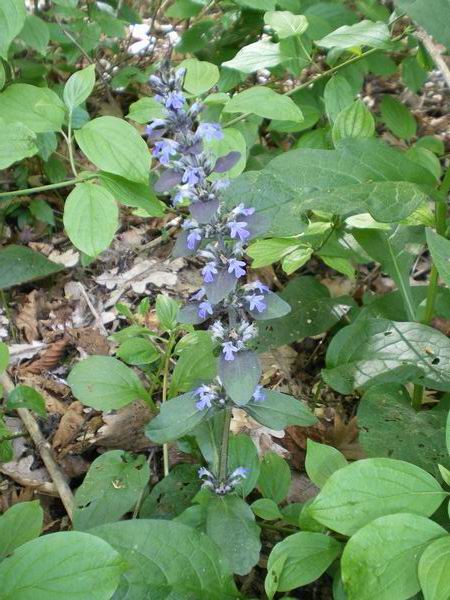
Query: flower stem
x=51, y=186
x=164, y=395
x=223, y=456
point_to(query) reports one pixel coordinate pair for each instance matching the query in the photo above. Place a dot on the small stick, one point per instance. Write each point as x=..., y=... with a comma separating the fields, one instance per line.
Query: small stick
x=435, y=54
x=97, y=317
x=44, y=449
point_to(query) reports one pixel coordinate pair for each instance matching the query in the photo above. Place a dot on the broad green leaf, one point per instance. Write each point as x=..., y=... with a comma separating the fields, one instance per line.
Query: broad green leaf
x=266, y=509
x=364, y=33
x=2, y=76
x=240, y=376
x=274, y=477
x=167, y=310
x=4, y=357
x=110, y=488
x=439, y=247
x=16, y=142
x=35, y=33
x=433, y=15
x=313, y=312
x=230, y=523
x=431, y=143
x=322, y=461
x=296, y=259
x=390, y=427
x=68, y=564
x=355, y=121
x=12, y=18
x=145, y=110
x=285, y=24
x=306, y=556
x=380, y=560
x=165, y=558
x=42, y=211
x=91, y=218
x=242, y=452
x=20, y=524
x=265, y=252
x=19, y=264
x=413, y=75
x=257, y=4
x=79, y=87
x=264, y=102
x=278, y=411
x=40, y=109
x=434, y=569
x=177, y=417
x=398, y=118
x=23, y=396
x=337, y=95
x=356, y=494
x=259, y=55
x=131, y=193
x=105, y=383
x=173, y=494
x=185, y=9
x=6, y=449
x=200, y=76
x=376, y=351
x=195, y=364
x=295, y=54
x=138, y=351
x=115, y=146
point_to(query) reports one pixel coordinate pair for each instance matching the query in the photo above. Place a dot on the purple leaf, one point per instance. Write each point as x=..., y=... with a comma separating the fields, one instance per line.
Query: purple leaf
x=227, y=162
x=275, y=307
x=240, y=376
x=223, y=284
x=189, y=314
x=204, y=212
x=167, y=181
x=180, y=249
x=257, y=224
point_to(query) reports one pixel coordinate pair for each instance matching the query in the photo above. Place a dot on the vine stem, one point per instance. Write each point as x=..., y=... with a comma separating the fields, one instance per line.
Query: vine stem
x=51, y=186
x=223, y=457
x=164, y=397
x=433, y=287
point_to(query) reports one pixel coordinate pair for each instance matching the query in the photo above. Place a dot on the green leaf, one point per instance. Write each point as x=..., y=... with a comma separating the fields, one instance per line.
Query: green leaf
x=40, y=109
x=364, y=33
x=19, y=264
x=145, y=110
x=138, y=351
x=104, y=383
x=42, y=211
x=79, y=87
x=200, y=76
x=173, y=494
x=366, y=489
x=35, y=33
x=115, y=146
x=380, y=560
x=23, y=396
x=274, y=477
x=195, y=364
x=177, y=417
x=266, y=252
x=2, y=76
x=432, y=15
x=91, y=218
x=266, y=509
x=278, y=411
x=4, y=357
x=232, y=140
x=397, y=117
x=440, y=252
x=322, y=461
x=305, y=557
x=337, y=95
x=434, y=569
x=130, y=193
x=242, y=452
x=17, y=142
x=257, y=4
x=230, y=523
x=264, y=102
x=296, y=259
x=6, y=449
x=20, y=524
x=313, y=312
x=69, y=565
x=259, y=55
x=355, y=121
x=413, y=75
x=390, y=427
x=12, y=18
x=167, y=311
x=285, y=24
x=111, y=488
x=375, y=351
x=427, y=159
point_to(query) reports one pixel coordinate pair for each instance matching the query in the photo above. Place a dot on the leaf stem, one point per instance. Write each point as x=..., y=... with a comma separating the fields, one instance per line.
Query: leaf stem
x=51, y=186
x=223, y=456
x=164, y=395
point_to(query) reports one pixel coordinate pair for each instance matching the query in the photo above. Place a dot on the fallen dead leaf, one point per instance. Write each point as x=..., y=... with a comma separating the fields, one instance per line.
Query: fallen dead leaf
x=49, y=359
x=26, y=319
x=69, y=426
x=125, y=428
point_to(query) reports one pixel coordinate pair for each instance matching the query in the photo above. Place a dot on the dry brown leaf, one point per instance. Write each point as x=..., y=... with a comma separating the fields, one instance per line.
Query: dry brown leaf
x=125, y=429
x=69, y=426
x=49, y=359
x=90, y=340
x=26, y=319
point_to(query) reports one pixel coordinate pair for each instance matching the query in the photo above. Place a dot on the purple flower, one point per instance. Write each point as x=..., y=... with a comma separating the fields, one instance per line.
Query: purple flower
x=198, y=295
x=256, y=302
x=208, y=272
x=192, y=239
x=210, y=131
x=239, y=473
x=205, y=308
x=174, y=100
x=237, y=229
x=229, y=350
x=257, y=285
x=157, y=123
x=163, y=150
x=217, y=330
x=259, y=395
x=206, y=394
x=235, y=266
x=192, y=175
x=241, y=210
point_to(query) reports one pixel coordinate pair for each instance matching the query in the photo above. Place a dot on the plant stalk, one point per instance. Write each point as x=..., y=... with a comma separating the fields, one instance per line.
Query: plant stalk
x=223, y=456
x=164, y=397
x=51, y=186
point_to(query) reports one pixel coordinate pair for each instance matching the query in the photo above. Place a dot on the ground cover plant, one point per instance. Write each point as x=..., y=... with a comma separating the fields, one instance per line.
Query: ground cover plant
x=225, y=299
